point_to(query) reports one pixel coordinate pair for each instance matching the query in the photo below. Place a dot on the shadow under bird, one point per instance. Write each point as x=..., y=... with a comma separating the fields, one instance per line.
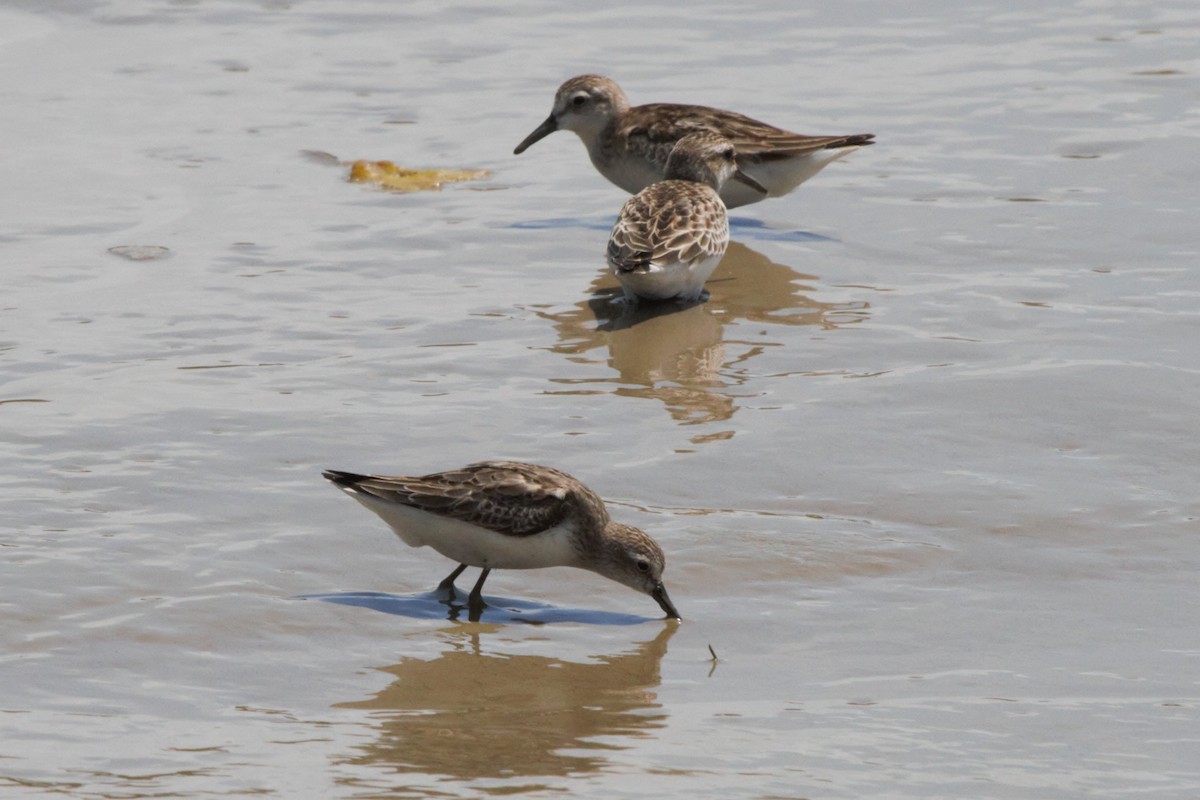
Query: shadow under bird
x=670, y=236
x=629, y=145
x=511, y=515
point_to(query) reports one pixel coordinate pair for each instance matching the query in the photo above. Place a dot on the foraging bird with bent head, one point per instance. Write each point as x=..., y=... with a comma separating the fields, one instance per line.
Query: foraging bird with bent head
x=511, y=515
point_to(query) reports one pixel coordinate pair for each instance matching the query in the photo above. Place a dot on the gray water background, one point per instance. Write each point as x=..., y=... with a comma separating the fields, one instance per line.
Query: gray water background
x=925, y=466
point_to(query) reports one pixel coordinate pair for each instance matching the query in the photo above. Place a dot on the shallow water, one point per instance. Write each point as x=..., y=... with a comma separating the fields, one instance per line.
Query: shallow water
x=924, y=466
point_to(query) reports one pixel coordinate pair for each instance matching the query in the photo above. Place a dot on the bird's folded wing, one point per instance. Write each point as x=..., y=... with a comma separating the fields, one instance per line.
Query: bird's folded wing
x=512, y=500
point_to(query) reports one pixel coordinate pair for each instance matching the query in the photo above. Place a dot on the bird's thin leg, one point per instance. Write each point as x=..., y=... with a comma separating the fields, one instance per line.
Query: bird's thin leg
x=475, y=604
x=448, y=584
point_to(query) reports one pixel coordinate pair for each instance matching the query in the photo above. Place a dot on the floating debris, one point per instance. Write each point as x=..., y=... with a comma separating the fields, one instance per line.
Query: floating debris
x=321, y=157
x=140, y=252
x=388, y=175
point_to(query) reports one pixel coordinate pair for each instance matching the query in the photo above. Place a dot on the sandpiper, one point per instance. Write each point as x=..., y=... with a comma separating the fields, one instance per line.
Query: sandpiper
x=510, y=515
x=671, y=235
x=629, y=145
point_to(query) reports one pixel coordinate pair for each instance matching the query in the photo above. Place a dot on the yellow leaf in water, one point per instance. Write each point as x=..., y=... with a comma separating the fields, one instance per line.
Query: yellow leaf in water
x=389, y=176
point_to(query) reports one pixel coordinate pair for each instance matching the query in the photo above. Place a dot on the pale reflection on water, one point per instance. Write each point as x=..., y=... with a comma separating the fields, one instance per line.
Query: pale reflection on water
x=678, y=354
x=471, y=713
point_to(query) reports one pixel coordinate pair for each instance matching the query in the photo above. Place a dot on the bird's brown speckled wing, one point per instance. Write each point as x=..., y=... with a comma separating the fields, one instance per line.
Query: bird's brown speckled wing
x=668, y=222
x=654, y=128
x=508, y=497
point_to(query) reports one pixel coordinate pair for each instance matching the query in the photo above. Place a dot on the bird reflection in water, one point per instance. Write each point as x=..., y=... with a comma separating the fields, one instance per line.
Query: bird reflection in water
x=468, y=715
x=679, y=354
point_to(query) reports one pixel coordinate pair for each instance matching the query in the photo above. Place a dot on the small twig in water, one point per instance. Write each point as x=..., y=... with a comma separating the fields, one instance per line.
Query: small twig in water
x=714, y=654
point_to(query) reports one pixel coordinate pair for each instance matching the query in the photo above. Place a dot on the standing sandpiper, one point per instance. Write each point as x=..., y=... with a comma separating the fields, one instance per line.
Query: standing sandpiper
x=671, y=235
x=629, y=145
x=509, y=515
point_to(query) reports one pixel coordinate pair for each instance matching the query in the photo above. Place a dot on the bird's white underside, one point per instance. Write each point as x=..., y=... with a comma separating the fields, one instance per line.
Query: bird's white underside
x=469, y=544
x=664, y=282
x=778, y=176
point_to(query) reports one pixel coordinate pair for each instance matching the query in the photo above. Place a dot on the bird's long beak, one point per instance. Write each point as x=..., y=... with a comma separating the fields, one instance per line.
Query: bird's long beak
x=660, y=596
x=738, y=176
x=540, y=132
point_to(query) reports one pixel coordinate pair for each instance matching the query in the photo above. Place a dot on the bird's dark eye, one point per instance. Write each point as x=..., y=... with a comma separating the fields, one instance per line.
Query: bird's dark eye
x=643, y=565
x=731, y=154
x=579, y=100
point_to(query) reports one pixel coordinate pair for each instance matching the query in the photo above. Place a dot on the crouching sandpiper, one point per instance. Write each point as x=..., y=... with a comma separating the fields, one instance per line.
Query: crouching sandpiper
x=670, y=236
x=629, y=145
x=510, y=515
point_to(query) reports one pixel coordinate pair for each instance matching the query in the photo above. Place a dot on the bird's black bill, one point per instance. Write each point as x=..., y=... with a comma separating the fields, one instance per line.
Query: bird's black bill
x=660, y=596
x=742, y=177
x=541, y=132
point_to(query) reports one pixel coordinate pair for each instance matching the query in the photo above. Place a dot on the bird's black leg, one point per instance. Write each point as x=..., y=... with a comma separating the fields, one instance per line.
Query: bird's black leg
x=475, y=604
x=448, y=584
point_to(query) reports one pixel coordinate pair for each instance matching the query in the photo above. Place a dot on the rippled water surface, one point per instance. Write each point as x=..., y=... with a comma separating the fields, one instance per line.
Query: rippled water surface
x=925, y=465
